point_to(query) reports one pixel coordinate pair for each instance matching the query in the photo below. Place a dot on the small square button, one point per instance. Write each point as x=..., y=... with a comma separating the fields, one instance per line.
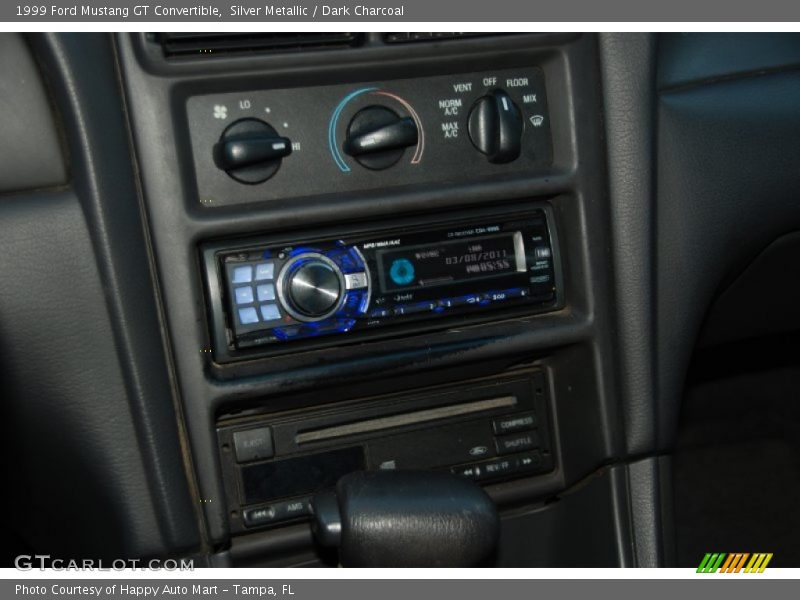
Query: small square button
x=270, y=312
x=265, y=271
x=242, y=274
x=265, y=292
x=244, y=295
x=248, y=316
x=253, y=444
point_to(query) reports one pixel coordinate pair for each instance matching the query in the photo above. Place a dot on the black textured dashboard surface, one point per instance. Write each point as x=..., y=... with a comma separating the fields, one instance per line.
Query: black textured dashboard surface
x=628, y=63
x=728, y=175
x=79, y=474
x=628, y=66
x=98, y=461
x=692, y=58
x=31, y=157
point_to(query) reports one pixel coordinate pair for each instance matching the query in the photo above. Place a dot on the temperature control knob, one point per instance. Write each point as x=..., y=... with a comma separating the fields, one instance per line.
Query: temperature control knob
x=311, y=287
x=251, y=151
x=377, y=137
x=495, y=127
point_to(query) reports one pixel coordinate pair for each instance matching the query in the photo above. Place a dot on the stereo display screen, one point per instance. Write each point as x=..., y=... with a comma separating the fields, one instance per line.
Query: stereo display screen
x=451, y=262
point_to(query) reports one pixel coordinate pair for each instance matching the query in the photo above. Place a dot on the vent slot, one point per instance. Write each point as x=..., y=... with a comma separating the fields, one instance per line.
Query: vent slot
x=415, y=36
x=179, y=45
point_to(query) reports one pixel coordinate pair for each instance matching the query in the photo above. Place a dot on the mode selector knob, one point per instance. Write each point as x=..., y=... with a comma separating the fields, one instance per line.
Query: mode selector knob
x=495, y=127
x=311, y=287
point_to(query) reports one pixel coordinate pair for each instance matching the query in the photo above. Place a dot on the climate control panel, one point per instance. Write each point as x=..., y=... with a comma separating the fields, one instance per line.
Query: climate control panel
x=275, y=144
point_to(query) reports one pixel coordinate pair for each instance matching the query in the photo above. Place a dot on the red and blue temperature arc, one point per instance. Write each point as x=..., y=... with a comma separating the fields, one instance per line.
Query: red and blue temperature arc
x=372, y=91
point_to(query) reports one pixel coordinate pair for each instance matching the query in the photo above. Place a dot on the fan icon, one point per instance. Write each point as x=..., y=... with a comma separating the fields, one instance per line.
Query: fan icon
x=220, y=111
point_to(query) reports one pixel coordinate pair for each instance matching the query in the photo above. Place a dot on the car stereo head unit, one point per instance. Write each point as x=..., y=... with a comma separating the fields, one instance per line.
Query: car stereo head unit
x=271, y=294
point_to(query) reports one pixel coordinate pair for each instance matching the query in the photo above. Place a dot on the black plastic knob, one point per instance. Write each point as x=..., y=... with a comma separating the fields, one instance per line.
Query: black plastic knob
x=496, y=126
x=251, y=151
x=406, y=519
x=313, y=288
x=377, y=137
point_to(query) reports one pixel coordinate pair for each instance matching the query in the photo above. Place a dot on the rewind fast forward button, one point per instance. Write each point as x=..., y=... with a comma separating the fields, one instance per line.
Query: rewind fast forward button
x=532, y=461
x=471, y=472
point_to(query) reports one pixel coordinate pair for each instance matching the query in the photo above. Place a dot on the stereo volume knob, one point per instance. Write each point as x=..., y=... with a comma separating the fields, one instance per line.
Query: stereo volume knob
x=311, y=287
x=495, y=127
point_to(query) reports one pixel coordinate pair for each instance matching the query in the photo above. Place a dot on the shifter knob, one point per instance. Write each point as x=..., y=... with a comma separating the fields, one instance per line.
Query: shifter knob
x=406, y=519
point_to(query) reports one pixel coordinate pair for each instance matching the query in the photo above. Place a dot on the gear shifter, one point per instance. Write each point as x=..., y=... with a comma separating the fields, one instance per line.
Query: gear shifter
x=406, y=519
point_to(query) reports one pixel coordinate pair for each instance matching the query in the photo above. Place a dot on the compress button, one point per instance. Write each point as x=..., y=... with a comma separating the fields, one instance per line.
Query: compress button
x=513, y=423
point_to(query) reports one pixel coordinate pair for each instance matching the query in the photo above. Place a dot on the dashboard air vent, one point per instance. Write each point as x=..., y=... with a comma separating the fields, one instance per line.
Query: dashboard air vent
x=415, y=36
x=215, y=44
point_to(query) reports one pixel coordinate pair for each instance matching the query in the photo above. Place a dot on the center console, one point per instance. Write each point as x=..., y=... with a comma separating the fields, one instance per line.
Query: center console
x=385, y=257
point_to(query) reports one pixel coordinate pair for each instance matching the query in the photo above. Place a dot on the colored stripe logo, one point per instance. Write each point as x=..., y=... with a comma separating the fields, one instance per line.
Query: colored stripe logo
x=721, y=562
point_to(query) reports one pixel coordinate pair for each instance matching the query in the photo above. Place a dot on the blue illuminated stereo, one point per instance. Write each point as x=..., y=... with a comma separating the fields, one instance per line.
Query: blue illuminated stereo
x=278, y=293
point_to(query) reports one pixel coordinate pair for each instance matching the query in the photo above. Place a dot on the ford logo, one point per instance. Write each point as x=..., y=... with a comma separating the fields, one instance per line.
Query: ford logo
x=478, y=451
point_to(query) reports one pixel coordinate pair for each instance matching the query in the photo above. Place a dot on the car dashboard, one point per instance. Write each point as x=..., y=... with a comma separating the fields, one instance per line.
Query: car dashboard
x=246, y=266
